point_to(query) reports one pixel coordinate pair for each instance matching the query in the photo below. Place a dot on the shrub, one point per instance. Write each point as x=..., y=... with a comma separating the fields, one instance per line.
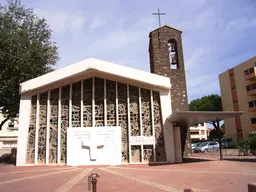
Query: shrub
x=5, y=158
x=252, y=141
x=243, y=146
x=247, y=145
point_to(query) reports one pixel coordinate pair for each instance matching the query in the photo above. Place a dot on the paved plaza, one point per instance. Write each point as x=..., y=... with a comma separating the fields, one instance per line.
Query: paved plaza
x=203, y=175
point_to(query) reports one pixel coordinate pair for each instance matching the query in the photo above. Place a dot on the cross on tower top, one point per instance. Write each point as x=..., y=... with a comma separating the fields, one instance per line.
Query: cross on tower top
x=159, y=16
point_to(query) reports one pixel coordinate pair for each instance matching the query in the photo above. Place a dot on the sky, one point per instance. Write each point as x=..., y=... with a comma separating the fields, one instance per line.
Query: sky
x=216, y=35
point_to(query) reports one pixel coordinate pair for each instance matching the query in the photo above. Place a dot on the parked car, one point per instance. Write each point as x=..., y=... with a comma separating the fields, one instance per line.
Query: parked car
x=194, y=145
x=227, y=143
x=207, y=146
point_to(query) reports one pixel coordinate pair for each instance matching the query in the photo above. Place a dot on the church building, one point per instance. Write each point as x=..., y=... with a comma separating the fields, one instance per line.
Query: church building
x=99, y=113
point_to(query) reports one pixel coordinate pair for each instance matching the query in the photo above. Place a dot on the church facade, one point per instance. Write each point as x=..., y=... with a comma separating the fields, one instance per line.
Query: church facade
x=94, y=112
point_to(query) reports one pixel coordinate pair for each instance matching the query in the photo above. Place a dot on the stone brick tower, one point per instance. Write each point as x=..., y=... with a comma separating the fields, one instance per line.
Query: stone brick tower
x=166, y=58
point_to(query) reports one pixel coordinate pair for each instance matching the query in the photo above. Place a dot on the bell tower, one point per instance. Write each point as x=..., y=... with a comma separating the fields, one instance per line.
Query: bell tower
x=166, y=58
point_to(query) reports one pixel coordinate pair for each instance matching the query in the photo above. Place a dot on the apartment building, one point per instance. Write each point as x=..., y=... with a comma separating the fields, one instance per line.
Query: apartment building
x=8, y=134
x=199, y=132
x=238, y=93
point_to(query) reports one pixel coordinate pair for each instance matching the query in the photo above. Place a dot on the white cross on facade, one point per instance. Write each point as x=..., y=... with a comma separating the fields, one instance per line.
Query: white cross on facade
x=93, y=143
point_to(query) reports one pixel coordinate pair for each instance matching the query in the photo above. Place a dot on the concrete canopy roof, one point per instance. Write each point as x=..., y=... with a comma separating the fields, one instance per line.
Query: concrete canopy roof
x=196, y=117
x=94, y=65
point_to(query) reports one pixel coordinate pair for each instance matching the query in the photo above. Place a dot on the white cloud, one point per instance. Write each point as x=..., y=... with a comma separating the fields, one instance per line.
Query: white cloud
x=122, y=45
x=57, y=21
x=78, y=23
x=61, y=21
x=119, y=33
x=240, y=24
x=197, y=55
x=202, y=85
x=97, y=22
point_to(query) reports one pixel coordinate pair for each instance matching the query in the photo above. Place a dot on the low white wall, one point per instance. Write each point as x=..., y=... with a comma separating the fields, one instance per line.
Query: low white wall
x=4, y=151
x=8, y=144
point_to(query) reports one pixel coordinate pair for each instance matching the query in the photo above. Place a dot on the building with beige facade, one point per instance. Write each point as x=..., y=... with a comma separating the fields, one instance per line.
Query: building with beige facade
x=199, y=132
x=238, y=93
x=8, y=137
x=8, y=134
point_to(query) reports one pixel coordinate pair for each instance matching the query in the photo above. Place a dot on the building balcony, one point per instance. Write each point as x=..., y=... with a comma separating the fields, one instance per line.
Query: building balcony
x=198, y=137
x=249, y=74
x=252, y=109
x=195, y=136
x=251, y=89
x=253, y=122
x=252, y=92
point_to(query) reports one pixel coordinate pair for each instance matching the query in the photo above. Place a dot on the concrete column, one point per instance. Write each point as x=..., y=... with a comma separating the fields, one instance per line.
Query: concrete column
x=177, y=145
x=167, y=126
x=24, y=119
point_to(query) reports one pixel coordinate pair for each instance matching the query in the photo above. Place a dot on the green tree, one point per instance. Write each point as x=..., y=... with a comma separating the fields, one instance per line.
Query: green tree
x=26, y=52
x=214, y=134
x=207, y=103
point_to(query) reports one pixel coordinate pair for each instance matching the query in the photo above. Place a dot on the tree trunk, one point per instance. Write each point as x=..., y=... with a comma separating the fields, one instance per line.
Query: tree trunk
x=3, y=122
x=214, y=124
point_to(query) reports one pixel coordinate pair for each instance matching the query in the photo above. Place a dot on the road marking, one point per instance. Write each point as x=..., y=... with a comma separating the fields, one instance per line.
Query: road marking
x=37, y=176
x=72, y=182
x=187, y=170
x=39, y=170
x=143, y=181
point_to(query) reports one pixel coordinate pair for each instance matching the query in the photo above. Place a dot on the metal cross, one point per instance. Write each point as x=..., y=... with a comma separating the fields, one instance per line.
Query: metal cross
x=159, y=16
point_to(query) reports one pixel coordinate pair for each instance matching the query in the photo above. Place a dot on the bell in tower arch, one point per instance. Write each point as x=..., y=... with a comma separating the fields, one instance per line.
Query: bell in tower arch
x=172, y=46
x=173, y=56
x=174, y=59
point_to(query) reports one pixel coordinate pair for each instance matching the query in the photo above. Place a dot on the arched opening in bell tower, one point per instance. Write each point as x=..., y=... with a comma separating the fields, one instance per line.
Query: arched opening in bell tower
x=173, y=55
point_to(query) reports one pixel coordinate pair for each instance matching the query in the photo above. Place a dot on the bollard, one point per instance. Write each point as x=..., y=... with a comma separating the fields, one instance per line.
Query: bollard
x=94, y=180
x=251, y=187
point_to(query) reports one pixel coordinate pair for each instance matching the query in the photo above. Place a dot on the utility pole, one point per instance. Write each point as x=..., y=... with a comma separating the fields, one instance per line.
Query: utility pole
x=219, y=137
